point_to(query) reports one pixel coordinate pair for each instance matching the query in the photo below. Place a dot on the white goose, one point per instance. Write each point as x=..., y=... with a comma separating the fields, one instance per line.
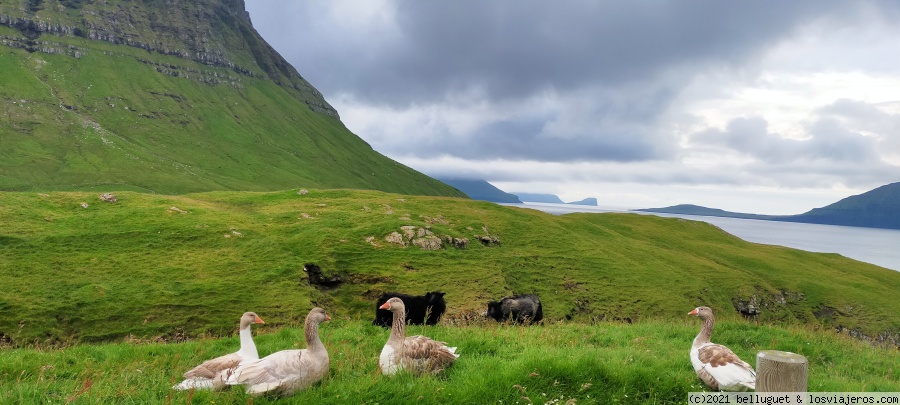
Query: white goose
x=288, y=371
x=715, y=364
x=211, y=374
x=418, y=354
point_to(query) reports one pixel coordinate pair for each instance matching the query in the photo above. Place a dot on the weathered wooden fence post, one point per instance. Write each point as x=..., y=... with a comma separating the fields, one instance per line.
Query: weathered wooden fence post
x=778, y=371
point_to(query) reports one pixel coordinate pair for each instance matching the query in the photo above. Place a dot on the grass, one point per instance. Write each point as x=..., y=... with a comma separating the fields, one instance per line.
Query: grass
x=110, y=303
x=604, y=362
x=175, y=267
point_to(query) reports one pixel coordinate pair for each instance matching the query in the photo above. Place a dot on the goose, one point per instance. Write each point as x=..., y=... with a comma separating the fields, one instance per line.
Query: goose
x=717, y=365
x=288, y=371
x=418, y=354
x=211, y=374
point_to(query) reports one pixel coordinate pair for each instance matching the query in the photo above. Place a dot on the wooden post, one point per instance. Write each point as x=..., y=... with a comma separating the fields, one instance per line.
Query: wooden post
x=778, y=371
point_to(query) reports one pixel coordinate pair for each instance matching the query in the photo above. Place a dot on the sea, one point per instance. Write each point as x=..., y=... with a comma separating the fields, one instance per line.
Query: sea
x=880, y=247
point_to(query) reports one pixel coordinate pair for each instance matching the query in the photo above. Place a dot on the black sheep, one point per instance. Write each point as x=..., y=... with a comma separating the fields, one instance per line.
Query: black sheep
x=418, y=308
x=524, y=309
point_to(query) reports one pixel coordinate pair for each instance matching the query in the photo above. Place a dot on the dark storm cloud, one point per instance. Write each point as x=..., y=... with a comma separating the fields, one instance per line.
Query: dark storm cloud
x=514, y=48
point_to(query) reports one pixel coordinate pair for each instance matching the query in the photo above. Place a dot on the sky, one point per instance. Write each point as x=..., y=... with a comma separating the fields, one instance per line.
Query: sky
x=766, y=107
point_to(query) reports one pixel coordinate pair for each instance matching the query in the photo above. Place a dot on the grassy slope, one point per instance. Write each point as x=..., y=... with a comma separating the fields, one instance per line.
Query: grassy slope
x=138, y=267
x=601, y=363
x=107, y=121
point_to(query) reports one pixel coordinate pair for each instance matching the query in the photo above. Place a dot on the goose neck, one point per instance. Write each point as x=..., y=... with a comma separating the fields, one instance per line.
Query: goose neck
x=706, y=329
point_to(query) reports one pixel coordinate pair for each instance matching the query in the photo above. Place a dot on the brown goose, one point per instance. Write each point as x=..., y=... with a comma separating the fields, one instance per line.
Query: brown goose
x=288, y=371
x=418, y=354
x=718, y=367
x=211, y=374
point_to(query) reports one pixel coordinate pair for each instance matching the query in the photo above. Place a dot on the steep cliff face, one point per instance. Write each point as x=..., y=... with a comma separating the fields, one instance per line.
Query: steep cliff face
x=168, y=96
x=210, y=32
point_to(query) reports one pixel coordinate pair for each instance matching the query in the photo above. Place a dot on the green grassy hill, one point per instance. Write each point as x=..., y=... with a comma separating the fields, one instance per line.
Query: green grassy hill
x=170, y=98
x=174, y=267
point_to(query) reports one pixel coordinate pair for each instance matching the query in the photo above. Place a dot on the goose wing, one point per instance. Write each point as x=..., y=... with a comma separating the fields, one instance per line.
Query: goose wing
x=725, y=367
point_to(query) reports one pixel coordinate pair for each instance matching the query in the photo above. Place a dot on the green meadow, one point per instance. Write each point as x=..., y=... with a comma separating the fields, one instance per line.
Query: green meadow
x=110, y=302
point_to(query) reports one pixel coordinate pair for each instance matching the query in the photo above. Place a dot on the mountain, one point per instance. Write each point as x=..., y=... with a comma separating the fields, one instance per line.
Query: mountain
x=878, y=208
x=482, y=190
x=540, y=198
x=168, y=96
x=587, y=201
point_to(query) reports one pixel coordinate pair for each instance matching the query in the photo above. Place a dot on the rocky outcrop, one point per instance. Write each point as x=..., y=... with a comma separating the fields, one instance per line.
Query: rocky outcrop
x=429, y=242
x=487, y=239
x=424, y=238
x=752, y=305
x=884, y=338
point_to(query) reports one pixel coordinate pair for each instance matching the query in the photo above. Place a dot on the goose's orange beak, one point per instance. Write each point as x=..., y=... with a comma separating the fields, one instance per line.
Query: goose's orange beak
x=259, y=320
x=327, y=318
x=386, y=305
x=694, y=312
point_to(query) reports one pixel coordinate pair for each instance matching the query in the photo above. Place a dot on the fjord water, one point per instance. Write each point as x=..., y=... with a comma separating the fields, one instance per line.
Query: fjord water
x=880, y=247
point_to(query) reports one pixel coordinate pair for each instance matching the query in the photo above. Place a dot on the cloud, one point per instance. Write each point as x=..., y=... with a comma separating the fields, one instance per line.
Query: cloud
x=590, y=125
x=829, y=141
x=408, y=52
x=735, y=94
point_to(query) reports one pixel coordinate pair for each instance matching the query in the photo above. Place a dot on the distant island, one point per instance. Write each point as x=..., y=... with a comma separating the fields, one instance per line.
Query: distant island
x=690, y=209
x=540, y=198
x=553, y=199
x=587, y=201
x=878, y=208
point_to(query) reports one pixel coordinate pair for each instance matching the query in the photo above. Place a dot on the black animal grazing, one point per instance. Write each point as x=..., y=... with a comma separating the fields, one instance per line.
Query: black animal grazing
x=315, y=277
x=524, y=309
x=418, y=308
